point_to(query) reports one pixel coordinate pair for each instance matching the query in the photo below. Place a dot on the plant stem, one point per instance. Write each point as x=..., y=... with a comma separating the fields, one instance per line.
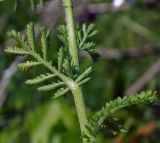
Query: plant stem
x=73, y=49
x=80, y=107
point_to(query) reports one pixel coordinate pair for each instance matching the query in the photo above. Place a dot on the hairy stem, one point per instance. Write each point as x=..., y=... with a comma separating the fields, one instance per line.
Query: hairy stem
x=80, y=107
x=73, y=49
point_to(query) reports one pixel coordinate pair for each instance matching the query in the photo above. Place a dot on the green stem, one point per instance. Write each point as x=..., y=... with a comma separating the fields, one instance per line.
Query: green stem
x=80, y=107
x=77, y=94
x=73, y=49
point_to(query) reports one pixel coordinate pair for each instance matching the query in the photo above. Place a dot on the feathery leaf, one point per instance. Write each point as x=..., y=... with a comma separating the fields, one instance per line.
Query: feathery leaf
x=60, y=59
x=28, y=64
x=18, y=37
x=31, y=35
x=84, y=81
x=50, y=86
x=142, y=98
x=84, y=36
x=63, y=34
x=41, y=78
x=45, y=41
x=67, y=67
x=88, y=45
x=16, y=50
x=60, y=92
x=84, y=74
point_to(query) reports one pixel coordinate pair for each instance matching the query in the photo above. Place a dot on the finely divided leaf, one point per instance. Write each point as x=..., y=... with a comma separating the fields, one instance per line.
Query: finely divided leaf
x=88, y=45
x=45, y=41
x=84, y=81
x=90, y=30
x=60, y=92
x=98, y=119
x=28, y=64
x=84, y=74
x=85, y=42
x=31, y=35
x=63, y=34
x=60, y=59
x=18, y=37
x=41, y=78
x=16, y=50
x=50, y=86
x=67, y=67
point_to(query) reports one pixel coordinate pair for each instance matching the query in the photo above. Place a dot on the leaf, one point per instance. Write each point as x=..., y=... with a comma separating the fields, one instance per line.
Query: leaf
x=50, y=86
x=16, y=50
x=84, y=36
x=45, y=41
x=84, y=74
x=60, y=92
x=60, y=59
x=63, y=35
x=99, y=117
x=88, y=45
x=84, y=81
x=41, y=78
x=90, y=30
x=67, y=67
x=31, y=35
x=28, y=64
x=18, y=37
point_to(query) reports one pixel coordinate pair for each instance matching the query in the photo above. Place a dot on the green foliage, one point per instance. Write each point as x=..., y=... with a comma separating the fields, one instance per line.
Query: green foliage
x=84, y=74
x=30, y=35
x=27, y=46
x=84, y=39
x=60, y=92
x=39, y=79
x=64, y=58
x=60, y=59
x=16, y=50
x=18, y=37
x=97, y=121
x=50, y=86
x=65, y=68
x=64, y=77
x=28, y=64
x=45, y=40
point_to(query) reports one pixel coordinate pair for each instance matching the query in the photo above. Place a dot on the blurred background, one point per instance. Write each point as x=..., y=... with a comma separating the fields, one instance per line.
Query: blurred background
x=128, y=42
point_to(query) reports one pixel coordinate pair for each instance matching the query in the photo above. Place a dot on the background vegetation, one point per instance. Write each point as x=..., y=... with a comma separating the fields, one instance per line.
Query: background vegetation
x=128, y=41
